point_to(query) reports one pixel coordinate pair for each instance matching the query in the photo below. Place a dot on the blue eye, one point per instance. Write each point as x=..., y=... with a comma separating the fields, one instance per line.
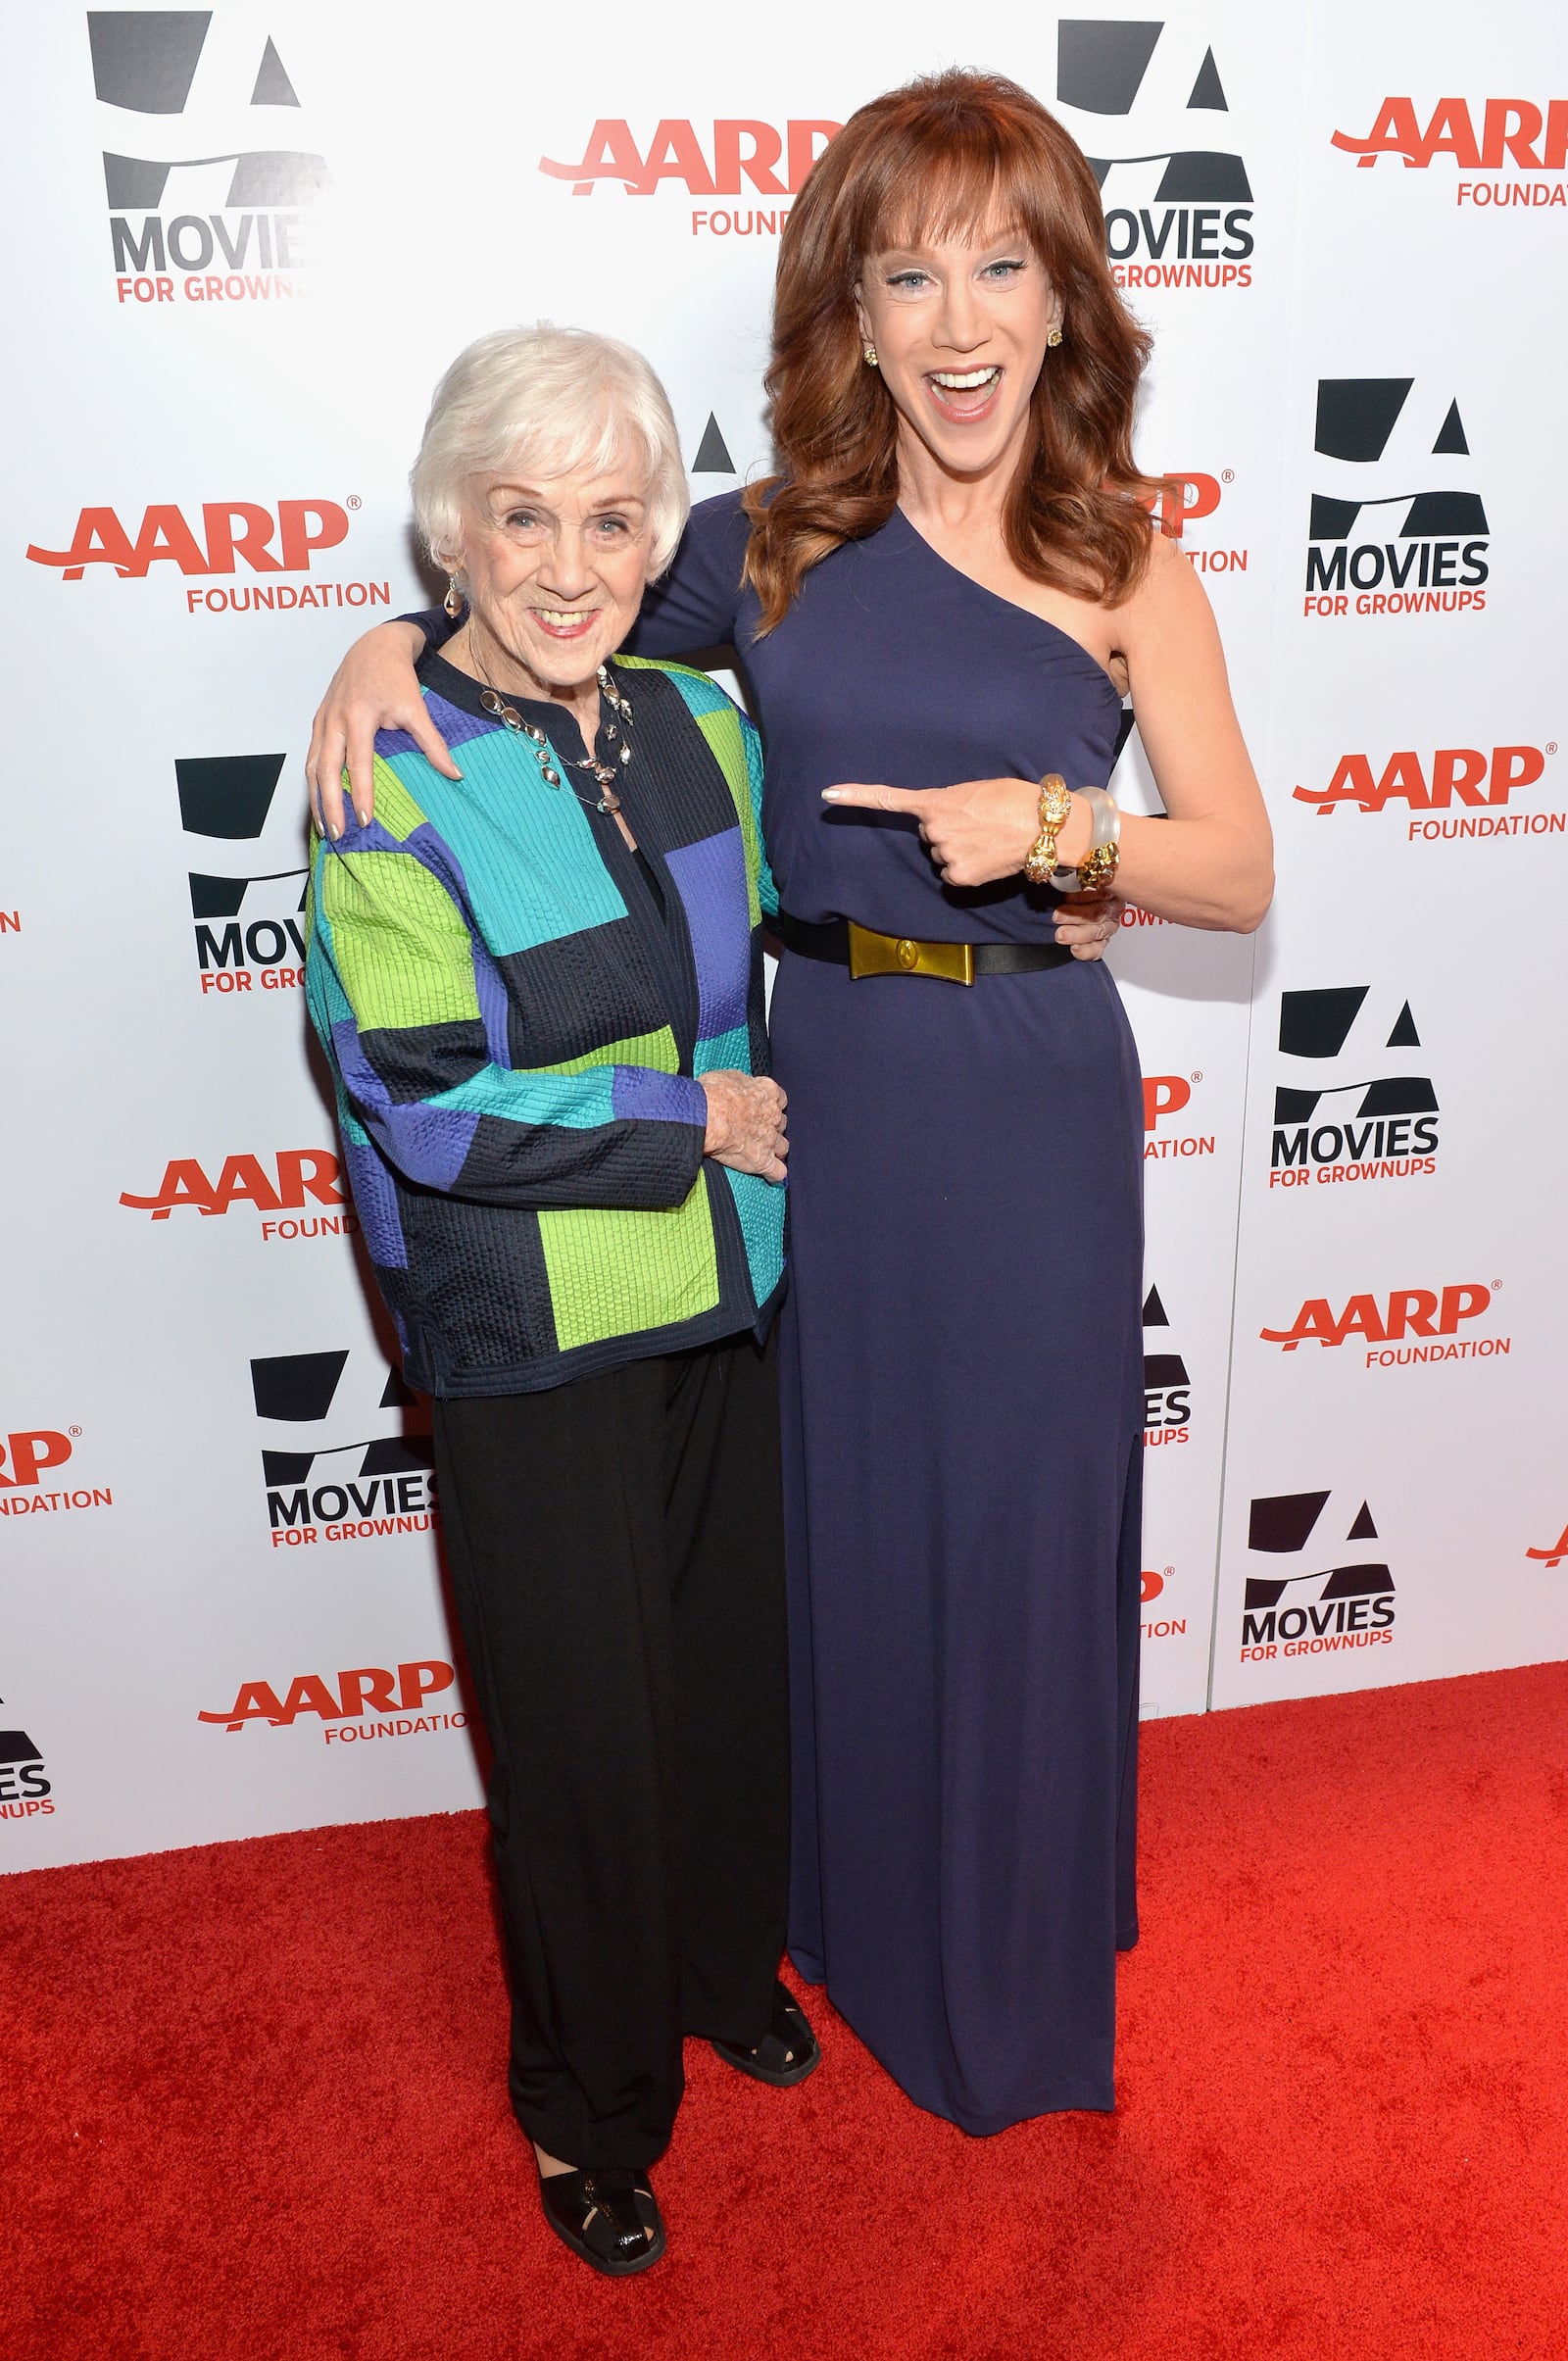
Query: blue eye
x=906, y=278
x=1006, y=270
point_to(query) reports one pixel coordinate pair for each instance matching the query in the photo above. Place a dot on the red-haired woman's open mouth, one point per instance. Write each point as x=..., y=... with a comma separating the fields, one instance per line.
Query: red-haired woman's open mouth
x=963, y=395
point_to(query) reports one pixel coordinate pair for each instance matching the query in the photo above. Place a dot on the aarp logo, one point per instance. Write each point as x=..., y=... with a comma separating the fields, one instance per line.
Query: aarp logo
x=1168, y=1099
x=1519, y=144
x=32, y=1483
x=347, y=1706
x=731, y=157
x=247, y=543
x=1417, y=780
x=275, y=1187
x=1405, y=1327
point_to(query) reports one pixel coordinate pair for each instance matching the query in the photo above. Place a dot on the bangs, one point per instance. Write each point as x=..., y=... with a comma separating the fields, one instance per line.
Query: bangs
x=556, y=401
x=599, y=444
x=966, y=181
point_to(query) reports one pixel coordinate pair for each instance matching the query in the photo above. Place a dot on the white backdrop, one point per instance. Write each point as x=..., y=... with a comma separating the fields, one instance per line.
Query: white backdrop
x=222, y=1614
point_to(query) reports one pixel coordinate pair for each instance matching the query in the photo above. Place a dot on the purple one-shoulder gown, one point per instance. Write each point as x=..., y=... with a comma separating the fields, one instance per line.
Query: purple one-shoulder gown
x=961, y=1344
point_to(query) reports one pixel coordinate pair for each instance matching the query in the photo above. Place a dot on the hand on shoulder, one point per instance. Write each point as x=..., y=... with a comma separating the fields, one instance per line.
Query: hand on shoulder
x=374, y=687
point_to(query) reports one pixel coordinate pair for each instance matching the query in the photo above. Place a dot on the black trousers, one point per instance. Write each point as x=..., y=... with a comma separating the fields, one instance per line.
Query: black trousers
x=617, y=1552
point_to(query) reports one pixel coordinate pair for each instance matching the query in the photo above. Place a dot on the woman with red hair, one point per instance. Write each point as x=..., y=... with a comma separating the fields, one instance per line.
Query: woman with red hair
x=939, y=604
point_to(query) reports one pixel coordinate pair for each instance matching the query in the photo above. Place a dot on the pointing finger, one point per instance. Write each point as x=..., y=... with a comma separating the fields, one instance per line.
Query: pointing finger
x=882, y=799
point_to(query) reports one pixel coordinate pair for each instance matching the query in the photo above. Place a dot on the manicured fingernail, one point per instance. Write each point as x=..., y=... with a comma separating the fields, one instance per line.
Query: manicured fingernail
x=362, y=817
x=334, y=834
x=830, y=794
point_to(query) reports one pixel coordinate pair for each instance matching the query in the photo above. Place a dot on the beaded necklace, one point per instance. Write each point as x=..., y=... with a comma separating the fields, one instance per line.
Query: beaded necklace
x=617, y=730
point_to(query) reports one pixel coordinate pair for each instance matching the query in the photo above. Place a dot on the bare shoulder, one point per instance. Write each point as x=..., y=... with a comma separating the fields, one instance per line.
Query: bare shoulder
x=1169, y=602
x=1168, y=574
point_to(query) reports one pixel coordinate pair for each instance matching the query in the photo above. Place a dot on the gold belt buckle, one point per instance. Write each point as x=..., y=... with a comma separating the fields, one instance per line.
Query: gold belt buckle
x=871, y=954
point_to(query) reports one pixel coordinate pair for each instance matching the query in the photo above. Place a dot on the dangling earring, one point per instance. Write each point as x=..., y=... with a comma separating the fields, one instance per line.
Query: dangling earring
x=1052, y=337
x=870, y=354
x=453, y=601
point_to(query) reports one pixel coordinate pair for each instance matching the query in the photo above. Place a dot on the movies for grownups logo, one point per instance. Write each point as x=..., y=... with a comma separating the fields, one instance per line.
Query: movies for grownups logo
x=1350, y=1106
x=1397, y=526
x=1167, y=1388
x=213, y=205
x=249, y=921
x=25, y=1787
x=363, y=1472
x=1177, y=195
x=733, y=156
x=1315, y=1610
x=1519, y=144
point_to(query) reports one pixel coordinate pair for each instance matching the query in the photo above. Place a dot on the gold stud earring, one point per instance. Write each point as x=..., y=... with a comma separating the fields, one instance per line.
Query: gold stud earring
x=1053, y=337
x=453, y=601
x=870, y=351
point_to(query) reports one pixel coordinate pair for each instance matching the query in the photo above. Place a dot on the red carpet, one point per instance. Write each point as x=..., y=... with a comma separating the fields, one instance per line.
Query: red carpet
x=254, y=2101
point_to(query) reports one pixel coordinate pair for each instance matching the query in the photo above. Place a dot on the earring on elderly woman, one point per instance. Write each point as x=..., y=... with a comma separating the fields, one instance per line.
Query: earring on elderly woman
x=453, y=601
x=870, y=351
x=1053, y=337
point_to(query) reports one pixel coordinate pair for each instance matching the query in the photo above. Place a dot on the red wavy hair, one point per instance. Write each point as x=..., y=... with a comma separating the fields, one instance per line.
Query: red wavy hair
x=945, y=159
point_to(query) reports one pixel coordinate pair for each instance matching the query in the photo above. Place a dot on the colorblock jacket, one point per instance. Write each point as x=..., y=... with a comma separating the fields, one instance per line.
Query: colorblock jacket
x=516, y=1010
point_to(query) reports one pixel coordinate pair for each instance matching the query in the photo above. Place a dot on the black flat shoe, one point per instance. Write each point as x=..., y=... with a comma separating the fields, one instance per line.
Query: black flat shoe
x=787, y=2052
x=610, y=2220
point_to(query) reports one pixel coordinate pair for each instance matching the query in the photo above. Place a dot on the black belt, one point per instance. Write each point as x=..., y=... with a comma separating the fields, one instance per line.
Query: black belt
x=864, y=952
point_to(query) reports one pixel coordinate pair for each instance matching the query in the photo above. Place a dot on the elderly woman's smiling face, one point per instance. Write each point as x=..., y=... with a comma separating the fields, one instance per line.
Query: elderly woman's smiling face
x=556, y=567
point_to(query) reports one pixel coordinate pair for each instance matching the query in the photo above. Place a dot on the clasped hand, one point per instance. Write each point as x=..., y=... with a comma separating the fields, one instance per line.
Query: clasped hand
x=980, y=830
x=746, y=1122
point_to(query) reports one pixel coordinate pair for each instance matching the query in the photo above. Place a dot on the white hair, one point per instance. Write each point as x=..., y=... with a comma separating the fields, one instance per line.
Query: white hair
x=557, y=400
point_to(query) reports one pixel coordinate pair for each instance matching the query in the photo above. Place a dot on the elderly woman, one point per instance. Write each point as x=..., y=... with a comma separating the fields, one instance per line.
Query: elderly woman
x=539, y=985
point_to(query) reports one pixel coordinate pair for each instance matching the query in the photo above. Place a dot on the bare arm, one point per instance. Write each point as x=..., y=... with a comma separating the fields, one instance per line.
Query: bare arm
x=1210, y=862
x=373, y=688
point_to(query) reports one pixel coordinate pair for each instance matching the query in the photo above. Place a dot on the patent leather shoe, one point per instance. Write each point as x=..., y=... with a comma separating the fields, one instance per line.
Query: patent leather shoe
x=786, y=2053
x=610, y=2220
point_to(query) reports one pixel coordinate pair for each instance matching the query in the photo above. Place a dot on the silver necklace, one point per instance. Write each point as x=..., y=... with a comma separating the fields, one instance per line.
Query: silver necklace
x=616, y=730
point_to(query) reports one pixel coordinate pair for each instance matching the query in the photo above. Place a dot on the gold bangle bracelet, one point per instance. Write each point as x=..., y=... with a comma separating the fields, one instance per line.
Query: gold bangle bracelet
x=1097, y=868
x=1055, y=805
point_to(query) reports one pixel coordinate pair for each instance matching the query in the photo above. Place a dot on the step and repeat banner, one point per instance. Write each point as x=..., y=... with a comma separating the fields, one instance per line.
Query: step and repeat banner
x=246, y=242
